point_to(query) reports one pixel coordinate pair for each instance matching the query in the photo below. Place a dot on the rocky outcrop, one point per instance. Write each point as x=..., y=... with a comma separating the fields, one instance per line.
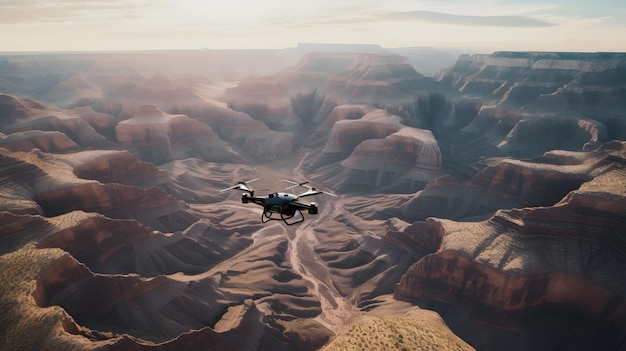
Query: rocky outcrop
x=17, y=179
x=160, y=137
x=567, y=134
x=151, y=205
x=343, y=112
x=315, y=68
x=537, y=267
x=75, y=88
x=24, y=115
x=114, y=246
x=377, y=150
x=304, y=95
x=410, y=156
x=106, y=229
x=505, y=184
x=126, y=98
x=373, y=78
x=120, y=167
x=188, y=180
x=347, y=134
x=103, y=123
x=253, y=137
x=124, y=301
x=93, y=239
x=498, y=73
x=172, y=308
x=18, y=229
x=284, y=101
x=575, y=97
x=45, y=184
x=54, y=142
x=267, y=99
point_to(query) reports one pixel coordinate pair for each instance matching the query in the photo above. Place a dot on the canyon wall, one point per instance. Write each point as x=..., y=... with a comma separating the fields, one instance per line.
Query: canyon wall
x=492, y=194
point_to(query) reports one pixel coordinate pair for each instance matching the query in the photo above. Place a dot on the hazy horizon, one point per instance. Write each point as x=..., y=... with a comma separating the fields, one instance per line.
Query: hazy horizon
x=488, y=25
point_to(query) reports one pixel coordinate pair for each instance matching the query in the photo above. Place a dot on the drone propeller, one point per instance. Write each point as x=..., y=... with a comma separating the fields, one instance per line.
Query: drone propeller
x=313, y=191
x=242, y=186
x=310, y=192
x=295, y=184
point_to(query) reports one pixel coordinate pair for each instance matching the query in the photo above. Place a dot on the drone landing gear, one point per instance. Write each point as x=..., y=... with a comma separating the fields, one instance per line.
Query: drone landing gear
x=291, y=219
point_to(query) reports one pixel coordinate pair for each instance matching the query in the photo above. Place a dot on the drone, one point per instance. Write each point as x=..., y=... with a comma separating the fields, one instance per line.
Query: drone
x=280, y=205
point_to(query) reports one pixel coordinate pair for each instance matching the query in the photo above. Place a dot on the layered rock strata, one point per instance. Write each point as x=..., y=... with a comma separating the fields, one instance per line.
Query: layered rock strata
x=373, y=78
x=377, y=150
x=575, y=98
x=253, y=137
x=541, y=267
x=284, y=101
x=160, y=137
x=44, y=184
x=26, y=116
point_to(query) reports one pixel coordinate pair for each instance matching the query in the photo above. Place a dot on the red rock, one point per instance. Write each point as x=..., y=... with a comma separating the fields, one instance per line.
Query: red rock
x=95, y=239
x=25, y=115
x=375, y=78
x=255, y=138
x=536, y=266
x=158, y=209
x=160, y=137
x=54, y=142
x=120, y=167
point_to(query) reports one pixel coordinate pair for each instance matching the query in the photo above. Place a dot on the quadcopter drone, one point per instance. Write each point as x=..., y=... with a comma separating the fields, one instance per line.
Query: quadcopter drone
x=280, y=206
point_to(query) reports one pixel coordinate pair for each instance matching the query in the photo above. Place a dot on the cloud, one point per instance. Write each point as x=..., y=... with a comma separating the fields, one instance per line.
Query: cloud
x=465, y=20
x=25, y=12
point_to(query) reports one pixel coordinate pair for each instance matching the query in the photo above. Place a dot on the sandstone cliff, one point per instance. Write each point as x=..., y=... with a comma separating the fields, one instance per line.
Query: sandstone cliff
x=253, y=137
x=160, y=137
x=284, y=101
x=21, y=115
x=574, y=97
x=43, y=183
x=55, y=142
x=373, y=78
x=377, y=150
x=539, y=267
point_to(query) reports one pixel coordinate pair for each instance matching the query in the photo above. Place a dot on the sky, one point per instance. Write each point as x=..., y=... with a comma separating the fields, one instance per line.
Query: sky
x=478, y=25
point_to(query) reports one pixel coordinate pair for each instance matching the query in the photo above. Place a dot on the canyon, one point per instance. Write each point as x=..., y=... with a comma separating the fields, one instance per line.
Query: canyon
x=481, y=205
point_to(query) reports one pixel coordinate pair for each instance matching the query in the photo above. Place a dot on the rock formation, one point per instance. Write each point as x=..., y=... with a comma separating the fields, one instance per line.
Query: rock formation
x=19, y=115
x=120, y=167
x=55, y=142
x=253, y=137
x=75, y=88
x=534, y=268
x=493, y=195
x=43, y=183
x=373, y=78
x=276, y=100
x=377, y=150
x=160, y=137
x=103, y=123
x=574, y=96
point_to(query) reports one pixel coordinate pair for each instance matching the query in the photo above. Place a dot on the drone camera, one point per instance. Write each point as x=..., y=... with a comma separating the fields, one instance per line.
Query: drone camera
x=313, y=208
x=244, y=198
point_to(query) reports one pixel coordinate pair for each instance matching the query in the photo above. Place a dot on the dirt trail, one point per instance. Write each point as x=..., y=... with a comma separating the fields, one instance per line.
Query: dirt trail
x=336, y=310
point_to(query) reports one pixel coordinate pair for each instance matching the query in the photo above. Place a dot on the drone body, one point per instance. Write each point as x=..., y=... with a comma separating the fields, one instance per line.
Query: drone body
x=280, y=205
